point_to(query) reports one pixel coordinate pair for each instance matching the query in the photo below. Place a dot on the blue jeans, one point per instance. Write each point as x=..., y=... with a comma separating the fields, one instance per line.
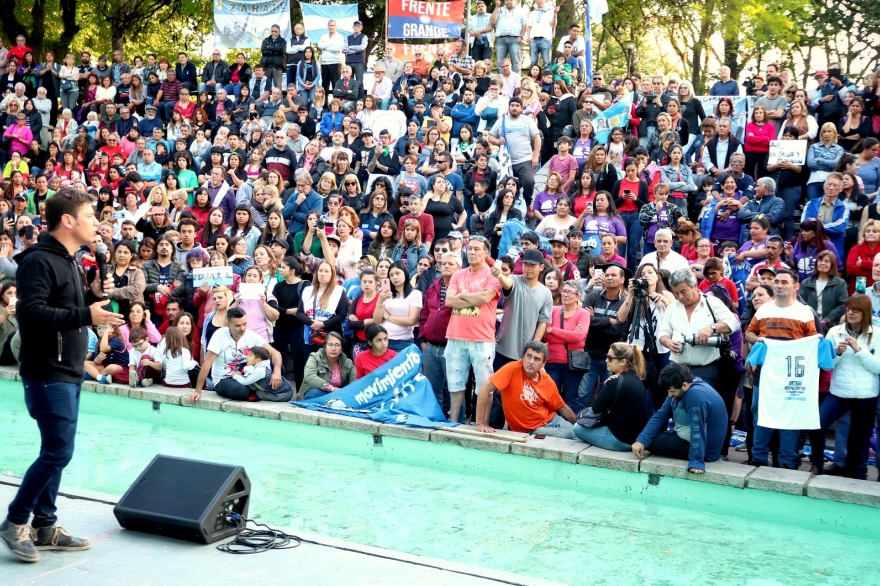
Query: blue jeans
x=788, y=440
x=434, y=369
x=314, y=394
x=841, y=435
x=508, y=47
x=597, y=374
x=55, y=406
x=398, y=345
x=556, y=427
x=567, y=380
x=601, y=437
x=309, y=95
x=815, y=190
x=232, y=89
x=541, y=46
x=634, y=233
x=862, y=413
x=791, y=196
x=651, y=140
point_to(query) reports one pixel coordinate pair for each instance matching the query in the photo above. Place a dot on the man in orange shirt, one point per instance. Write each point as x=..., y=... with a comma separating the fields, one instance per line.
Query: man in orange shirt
x=529, y=396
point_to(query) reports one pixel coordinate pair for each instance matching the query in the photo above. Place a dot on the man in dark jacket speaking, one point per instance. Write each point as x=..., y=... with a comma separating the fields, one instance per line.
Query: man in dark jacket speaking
x=54, y=312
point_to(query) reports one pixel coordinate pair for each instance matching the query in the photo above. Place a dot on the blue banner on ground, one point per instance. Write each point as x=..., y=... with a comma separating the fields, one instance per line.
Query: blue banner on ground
x=395, y=393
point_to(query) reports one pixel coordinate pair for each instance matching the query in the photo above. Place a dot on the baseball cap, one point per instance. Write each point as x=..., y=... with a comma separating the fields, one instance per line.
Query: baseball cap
x=367, y=132
x=371, y=260
x=335, y=239
x=770, y=270
x=151, y=107
x=455, y=234
x=820, y=72
x=280, y=242
x=533, y=256
x=21, y=196
x=561, y=239
x=358, y=22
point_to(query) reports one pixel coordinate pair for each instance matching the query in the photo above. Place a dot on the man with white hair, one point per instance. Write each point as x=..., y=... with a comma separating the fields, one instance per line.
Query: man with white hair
x=725, y=86
x=664, y=257
x=719, y=150
x=695, y=317
x=765, y=203
x=43, y=105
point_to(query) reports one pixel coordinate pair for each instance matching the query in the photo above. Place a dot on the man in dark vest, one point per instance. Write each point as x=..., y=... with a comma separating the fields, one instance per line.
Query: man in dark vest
x=295, y=52
x=273, y=50
x=716, y=155
x=355, y=50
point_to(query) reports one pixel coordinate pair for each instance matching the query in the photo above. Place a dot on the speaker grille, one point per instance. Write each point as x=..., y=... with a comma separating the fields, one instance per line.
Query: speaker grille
x=178, y=488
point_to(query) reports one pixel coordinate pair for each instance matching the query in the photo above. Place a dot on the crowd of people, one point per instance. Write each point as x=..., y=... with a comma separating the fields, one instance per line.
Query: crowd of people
x=621, y=292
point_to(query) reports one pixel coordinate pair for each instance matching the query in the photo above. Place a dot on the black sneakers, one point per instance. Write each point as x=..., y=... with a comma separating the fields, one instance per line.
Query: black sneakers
x=57, y=538
x=19, y=541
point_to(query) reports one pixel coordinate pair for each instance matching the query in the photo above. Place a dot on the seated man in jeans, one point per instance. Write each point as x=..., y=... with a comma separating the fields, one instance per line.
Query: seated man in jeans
x=226, y=357
x=529, y=397
x=700, y=419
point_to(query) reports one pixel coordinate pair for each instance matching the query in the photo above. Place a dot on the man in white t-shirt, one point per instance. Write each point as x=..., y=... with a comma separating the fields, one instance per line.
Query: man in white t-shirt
x=226, y=356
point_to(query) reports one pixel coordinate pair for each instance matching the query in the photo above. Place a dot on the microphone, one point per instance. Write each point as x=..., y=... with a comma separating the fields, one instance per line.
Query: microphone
x=101, y=252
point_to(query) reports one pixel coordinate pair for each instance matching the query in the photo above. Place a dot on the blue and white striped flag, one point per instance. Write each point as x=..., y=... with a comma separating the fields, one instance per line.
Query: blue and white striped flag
x=316, y=16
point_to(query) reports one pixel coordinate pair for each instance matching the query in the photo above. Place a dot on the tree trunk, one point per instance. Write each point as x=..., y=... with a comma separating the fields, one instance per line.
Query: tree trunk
x=68, y=19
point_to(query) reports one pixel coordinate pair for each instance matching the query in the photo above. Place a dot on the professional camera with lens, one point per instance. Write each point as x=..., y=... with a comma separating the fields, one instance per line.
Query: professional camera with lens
x=320, y=224
x=640, y=287
x=716, y=341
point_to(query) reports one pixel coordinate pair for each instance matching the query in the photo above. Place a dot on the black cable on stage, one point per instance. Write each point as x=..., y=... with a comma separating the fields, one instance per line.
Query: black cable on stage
x=258, y=540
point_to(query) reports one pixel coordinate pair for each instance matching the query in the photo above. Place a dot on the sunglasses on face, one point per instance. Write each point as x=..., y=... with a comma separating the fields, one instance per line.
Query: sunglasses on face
x=442, y=250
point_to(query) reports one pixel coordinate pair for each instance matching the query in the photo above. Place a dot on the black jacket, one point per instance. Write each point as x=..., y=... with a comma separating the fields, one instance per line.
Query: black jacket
x=53, y=313
x=222, y=72
x=273, y=52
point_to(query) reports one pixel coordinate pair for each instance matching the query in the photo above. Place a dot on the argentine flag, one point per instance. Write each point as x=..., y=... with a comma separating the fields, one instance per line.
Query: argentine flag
x=316, y=16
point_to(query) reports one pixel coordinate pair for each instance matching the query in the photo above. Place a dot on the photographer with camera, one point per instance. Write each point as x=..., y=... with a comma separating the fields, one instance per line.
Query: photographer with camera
x=647, y=301
x=692, y=327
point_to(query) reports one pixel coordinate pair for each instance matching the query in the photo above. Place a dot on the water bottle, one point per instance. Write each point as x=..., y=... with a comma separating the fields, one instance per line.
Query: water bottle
x=861, y=285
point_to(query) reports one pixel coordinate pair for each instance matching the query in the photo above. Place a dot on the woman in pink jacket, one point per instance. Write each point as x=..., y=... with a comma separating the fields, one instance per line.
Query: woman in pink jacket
x=566, y=331
x=759, y=132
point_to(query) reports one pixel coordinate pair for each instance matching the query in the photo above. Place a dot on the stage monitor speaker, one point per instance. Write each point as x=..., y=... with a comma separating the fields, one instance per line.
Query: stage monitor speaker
x=185, y=499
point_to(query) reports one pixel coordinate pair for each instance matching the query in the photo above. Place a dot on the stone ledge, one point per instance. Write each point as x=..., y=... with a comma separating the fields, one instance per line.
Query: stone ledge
x=255, y=409
x=791, y=482
x=844, y=490
x=350, y=423
x=471, y=441
x=299, y=415
x=114, y=389
x=778, y=480
x=405, y=431
x=593, y=456
x=163, y=395
x=550, y=448
x=723, y=473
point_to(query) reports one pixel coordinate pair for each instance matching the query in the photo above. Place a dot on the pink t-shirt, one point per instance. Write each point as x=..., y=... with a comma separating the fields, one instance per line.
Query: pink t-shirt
x=564, y=166
x=475, y=324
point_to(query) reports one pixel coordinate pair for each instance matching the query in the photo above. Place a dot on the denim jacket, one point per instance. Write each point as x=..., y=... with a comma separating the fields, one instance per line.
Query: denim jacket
x=821, y=160
x=412, y=258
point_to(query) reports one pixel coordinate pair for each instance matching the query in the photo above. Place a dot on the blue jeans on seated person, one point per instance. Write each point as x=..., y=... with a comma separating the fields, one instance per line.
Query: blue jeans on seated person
x=601, y=437
x=557, y=427
x=55, y=406
x=314, y=394
x=788, y=440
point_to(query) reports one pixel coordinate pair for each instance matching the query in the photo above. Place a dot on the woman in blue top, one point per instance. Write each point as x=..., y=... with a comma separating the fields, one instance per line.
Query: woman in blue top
x=373, y=215
x=332, y=120
x=410, y=248
x=822, y=158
